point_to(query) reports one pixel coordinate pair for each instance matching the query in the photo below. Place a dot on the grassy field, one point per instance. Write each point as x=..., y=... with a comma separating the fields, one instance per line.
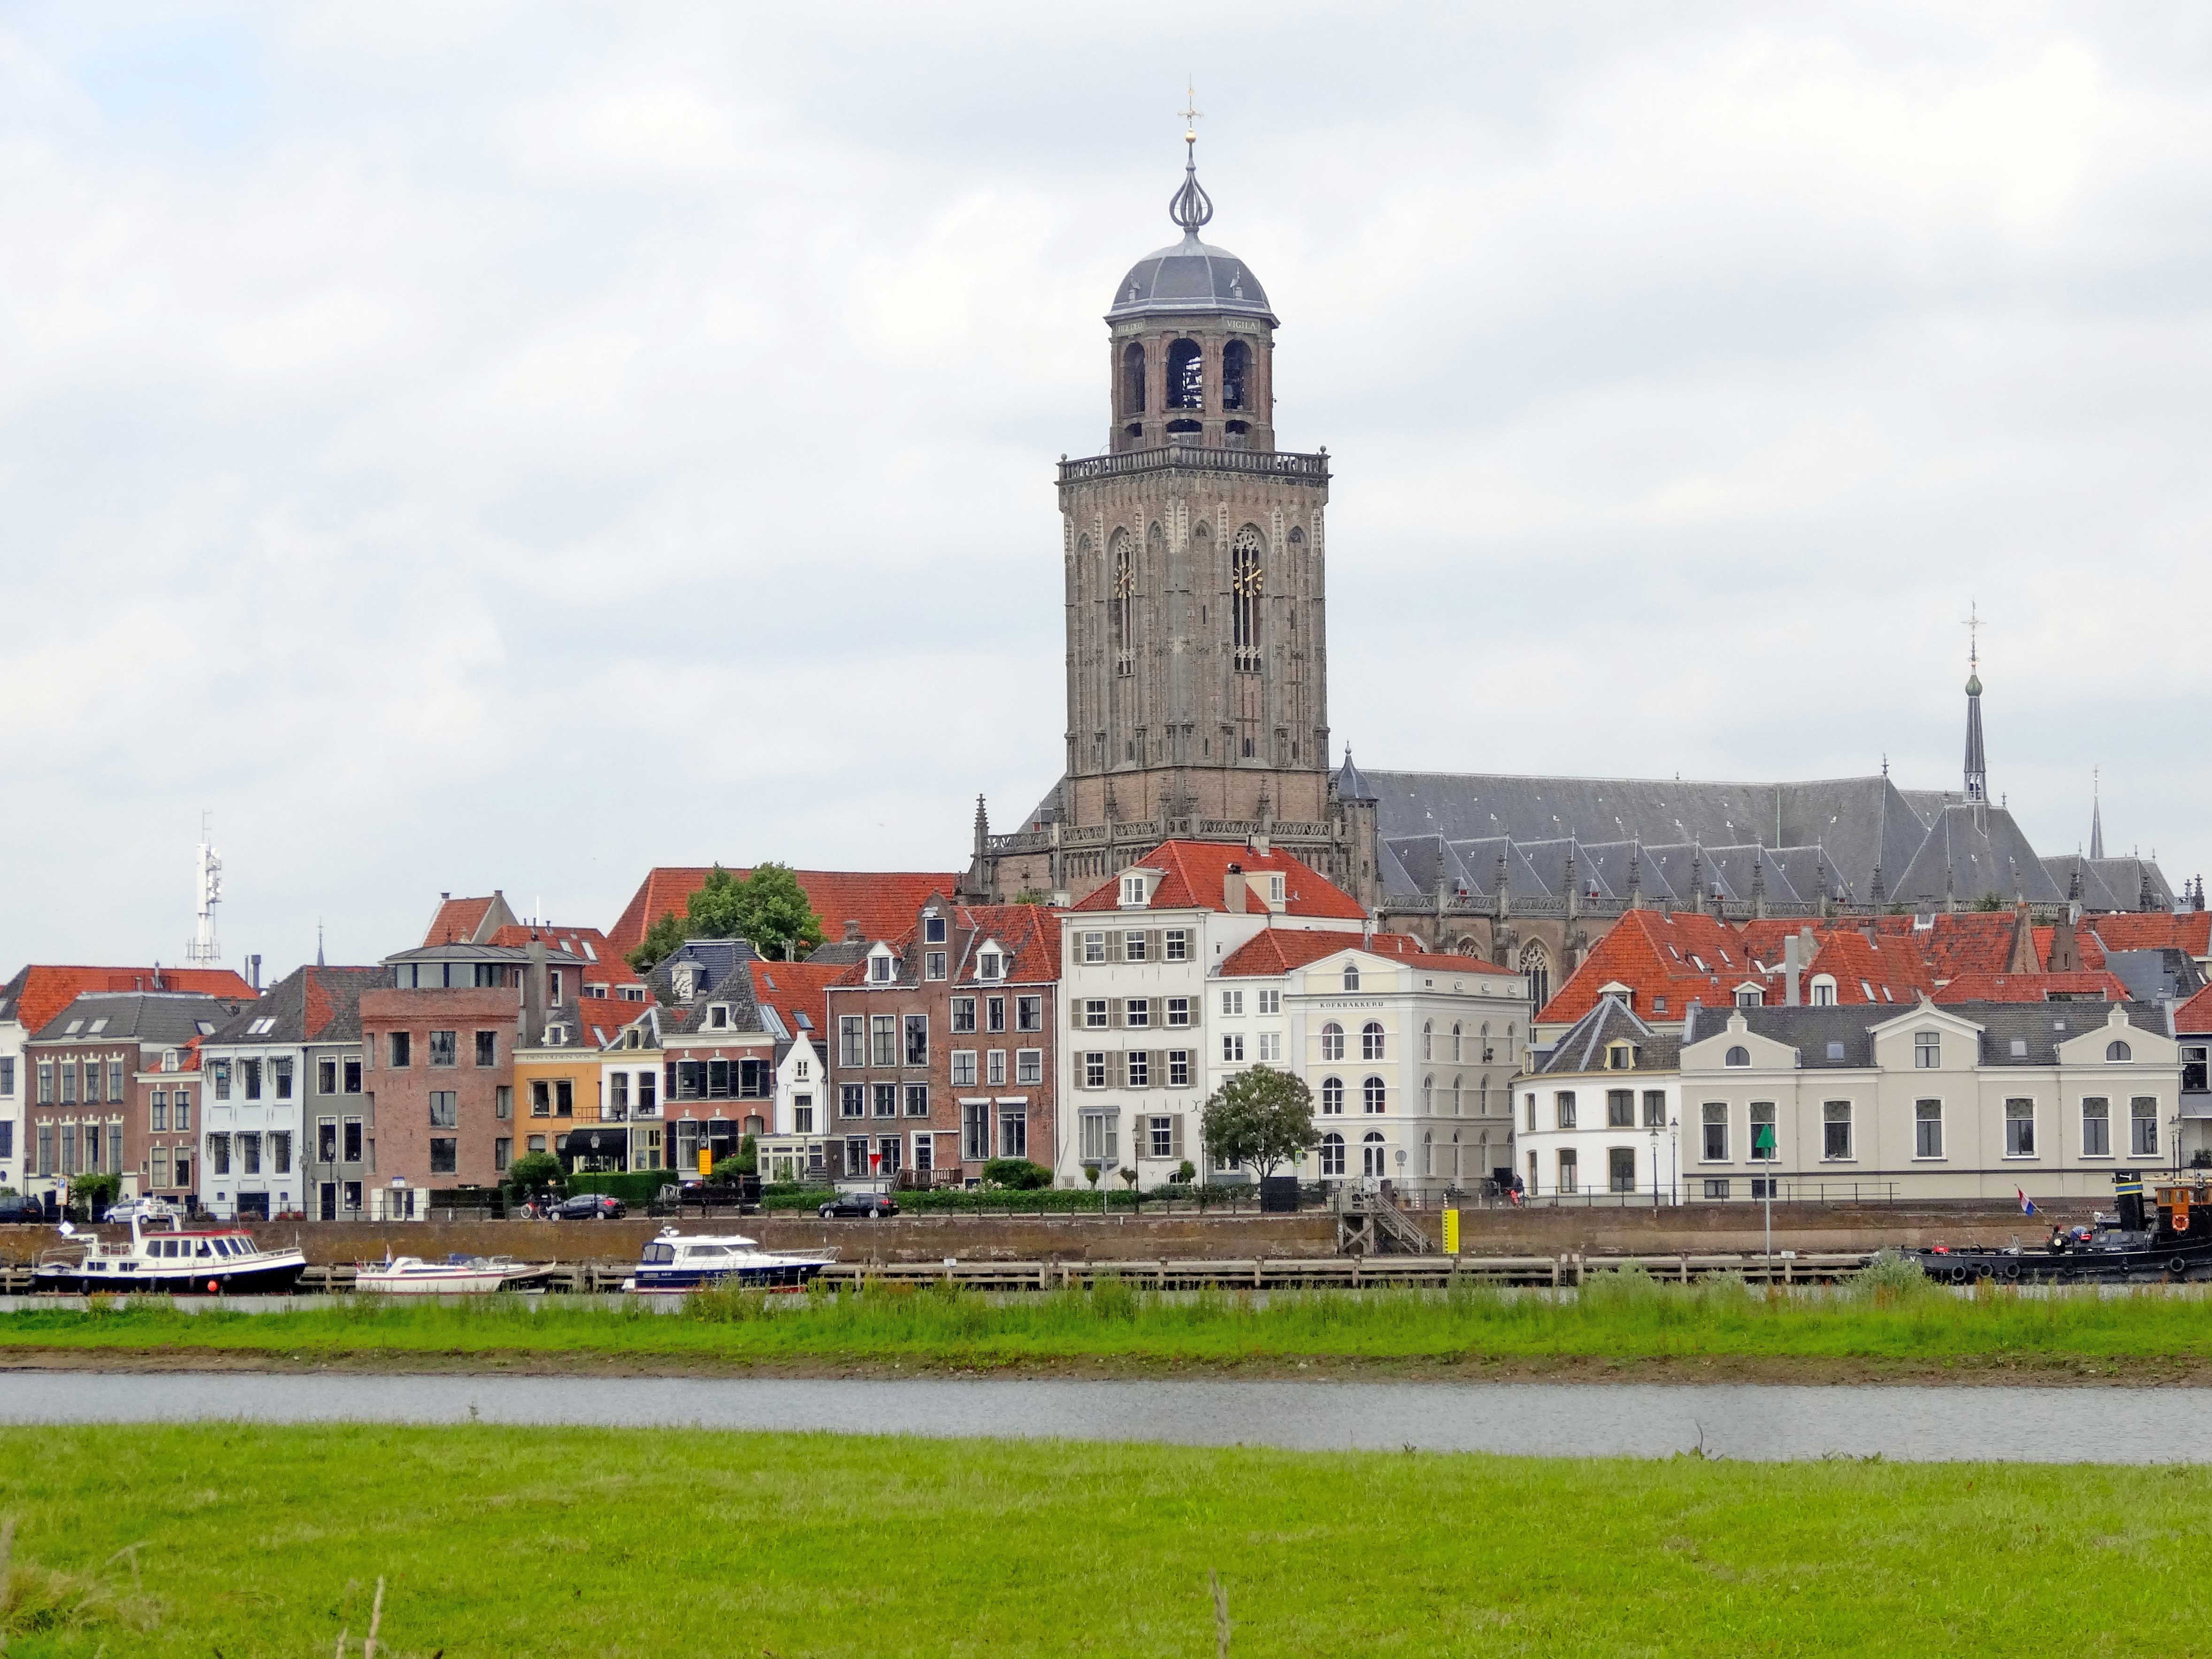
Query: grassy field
x=1617, y=1319
x=247, y=1542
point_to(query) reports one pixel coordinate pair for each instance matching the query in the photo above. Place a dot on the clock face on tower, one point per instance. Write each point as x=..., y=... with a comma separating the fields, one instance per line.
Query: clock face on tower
x=1125, y=582
x=1246, y=580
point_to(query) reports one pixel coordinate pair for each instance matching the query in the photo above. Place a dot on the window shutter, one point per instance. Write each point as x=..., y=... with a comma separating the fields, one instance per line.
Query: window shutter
x=1113, y=1013
x=1117, y=1070
x=1155, y=1009
x=1113, y=945
x=1075, y=1013
x=1152, y=943
x=1174, y=1143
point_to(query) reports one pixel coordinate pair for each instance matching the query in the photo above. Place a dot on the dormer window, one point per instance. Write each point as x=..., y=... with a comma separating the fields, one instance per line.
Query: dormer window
x=1621, y=1057
x=170, y=1059
x=1823, y=991
x=990, y=965
x=932, y=929
x=1274, y=890
x=683, y=982
x=1133, y=890
x=556, y=1036
x=879, y=968
x=1749, y=996
x=632, y=1039
x=718, y=1017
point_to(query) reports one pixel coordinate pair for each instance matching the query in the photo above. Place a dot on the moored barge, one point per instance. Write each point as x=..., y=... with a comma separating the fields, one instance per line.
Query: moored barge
x=2159, y=1230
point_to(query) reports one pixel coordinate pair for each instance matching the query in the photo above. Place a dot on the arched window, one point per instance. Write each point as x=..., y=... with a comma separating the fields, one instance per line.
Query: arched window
x=1536, y=966
x=1300, y=572
x=1456, y=1054
x=1457, y=1097
x=2119, y=1053
x=1246, y=584
x=1121, y=608
x=1371, y=1095
x=1428, y=1155
x=1486, y=1053
x=1332, y=1041
x=1351, y=976
x=1185, y=375
x=1332, y=1155
x=1236, y=369
x=1456, y=1171
x=1133, y=380
x=1738, y=1056
x=1332, y=1097
x=1428, y=1096
x=1370, y=1040
x=1373, y=1161
x=1428, y=1039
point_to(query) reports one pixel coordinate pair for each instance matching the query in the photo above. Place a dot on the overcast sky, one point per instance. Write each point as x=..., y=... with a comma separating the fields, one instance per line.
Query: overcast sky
x=470, y=446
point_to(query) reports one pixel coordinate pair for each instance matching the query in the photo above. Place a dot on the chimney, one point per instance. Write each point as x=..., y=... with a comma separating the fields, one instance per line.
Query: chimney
x=253, y=974
x=1234, y=889
x=853, y=935
x=1790, y=968
x=534, y=995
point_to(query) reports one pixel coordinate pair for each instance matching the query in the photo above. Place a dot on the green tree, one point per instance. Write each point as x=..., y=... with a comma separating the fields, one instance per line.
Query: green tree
x=767, y=909
x=92, y=1194
x=533, y=1172
x=1018, y=1173
x=1259, y=1117
x=743, y=1162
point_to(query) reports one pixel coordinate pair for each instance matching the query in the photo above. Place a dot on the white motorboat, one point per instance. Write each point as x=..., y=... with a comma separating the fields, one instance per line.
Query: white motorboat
x=167, y=1260
x=692, y=1261
x=456, y=1275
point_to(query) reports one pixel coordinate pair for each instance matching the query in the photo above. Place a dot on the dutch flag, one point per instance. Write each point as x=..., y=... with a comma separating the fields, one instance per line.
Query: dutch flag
x=2027, y=1203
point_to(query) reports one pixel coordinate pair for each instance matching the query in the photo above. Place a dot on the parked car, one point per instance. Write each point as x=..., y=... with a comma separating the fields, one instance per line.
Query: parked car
x=587, y=1206
x=145, y=1209
x=26, y=1211
x=870, y=1205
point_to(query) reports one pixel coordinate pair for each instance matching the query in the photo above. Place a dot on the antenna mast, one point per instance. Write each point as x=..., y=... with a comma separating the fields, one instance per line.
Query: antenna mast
x=205, y=950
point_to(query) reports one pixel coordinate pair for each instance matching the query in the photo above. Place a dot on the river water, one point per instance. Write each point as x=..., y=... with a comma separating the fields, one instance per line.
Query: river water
x=1756, y=1422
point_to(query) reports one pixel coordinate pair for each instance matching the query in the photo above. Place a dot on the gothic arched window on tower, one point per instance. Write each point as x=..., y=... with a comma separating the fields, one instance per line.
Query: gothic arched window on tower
x=1246, y=586
x=1236, y=369
x=1185, y=375
x=1536, y=965
x=1133, y=380
x=1121, y=609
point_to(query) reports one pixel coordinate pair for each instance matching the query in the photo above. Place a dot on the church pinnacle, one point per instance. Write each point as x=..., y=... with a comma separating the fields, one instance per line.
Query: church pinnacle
x=1977, y=766
x=1191, y=207
x=2096, y=813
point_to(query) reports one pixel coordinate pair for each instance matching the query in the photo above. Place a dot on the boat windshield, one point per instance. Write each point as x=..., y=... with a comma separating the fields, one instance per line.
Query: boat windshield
x=655, y=1254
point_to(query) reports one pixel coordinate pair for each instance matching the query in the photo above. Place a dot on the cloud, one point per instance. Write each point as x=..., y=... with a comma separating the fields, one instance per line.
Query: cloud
x=472, y=446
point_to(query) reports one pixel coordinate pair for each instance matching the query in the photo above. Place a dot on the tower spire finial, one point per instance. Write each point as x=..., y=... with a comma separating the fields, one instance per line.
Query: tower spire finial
x=2096, y=812
x=1978, y=769
x=1191, y=207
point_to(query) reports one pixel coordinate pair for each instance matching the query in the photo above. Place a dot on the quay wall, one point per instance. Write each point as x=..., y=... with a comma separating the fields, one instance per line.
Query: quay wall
x=1539, y=1230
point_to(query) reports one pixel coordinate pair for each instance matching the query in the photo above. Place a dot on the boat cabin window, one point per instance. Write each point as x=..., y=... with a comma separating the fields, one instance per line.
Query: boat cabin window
x=659, y=1253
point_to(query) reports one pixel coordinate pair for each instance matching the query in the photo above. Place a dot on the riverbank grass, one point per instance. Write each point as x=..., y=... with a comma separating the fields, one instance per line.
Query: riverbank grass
x=1889, y=1318
x=268, y=1541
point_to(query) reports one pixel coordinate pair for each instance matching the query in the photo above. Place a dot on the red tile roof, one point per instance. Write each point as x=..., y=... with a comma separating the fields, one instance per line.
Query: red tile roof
x=2194, y=1017
x=793, y=988
x=1683, y=957
x=1978, y=987
x=1032, y=931
x=1194, y=875
x=39, y=991
x=456, y=920
x=2154, y=930
x=1278, y=950
x=882, y=903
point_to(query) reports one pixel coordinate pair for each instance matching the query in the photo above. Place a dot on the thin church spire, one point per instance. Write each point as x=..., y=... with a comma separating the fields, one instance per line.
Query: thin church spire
x=1977, y=765
x=2096, y=813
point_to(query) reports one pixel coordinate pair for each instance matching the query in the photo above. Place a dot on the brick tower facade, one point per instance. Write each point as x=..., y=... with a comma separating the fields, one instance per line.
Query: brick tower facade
x=1195, y=568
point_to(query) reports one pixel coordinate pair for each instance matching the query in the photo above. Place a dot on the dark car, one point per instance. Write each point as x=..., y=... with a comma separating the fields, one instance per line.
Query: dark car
x=587, y=1206
x=870, y=1205
x=28, y=1211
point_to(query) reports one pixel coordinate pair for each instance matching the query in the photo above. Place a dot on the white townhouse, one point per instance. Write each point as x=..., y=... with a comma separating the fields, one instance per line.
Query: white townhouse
x=1139, y=958
x=1408, y=1054
x=1967, y=1100
x=793, y=1005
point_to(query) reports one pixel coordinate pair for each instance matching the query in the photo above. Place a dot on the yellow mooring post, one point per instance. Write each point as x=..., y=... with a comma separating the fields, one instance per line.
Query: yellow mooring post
x=1452, y=1232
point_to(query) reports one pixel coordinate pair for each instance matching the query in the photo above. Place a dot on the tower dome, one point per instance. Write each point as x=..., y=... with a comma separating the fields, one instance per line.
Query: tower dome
x=1190, y=276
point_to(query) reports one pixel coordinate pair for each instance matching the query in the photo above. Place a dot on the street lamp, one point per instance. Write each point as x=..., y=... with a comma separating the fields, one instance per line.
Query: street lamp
x=1674, y=1160
x=1655, y=1164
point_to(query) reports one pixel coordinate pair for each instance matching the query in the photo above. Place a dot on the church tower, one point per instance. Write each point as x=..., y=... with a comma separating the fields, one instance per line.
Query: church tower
x=1196, y=565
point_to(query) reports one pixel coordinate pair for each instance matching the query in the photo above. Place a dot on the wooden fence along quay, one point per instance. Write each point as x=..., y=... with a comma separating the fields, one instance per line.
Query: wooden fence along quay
x=1564, y=1272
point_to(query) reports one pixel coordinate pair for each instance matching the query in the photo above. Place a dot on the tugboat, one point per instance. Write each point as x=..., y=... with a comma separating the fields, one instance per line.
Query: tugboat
x=2164, y=1232
x=167, y=1261
x=693, y=1261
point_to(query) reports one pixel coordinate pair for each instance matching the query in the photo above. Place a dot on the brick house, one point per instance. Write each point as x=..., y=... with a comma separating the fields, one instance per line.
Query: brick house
x=696, y=1072
x=944, y=1051
x=88, y=1105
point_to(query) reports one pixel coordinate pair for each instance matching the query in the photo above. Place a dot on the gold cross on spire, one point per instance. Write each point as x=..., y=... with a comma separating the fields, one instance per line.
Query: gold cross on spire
x=1191, y=112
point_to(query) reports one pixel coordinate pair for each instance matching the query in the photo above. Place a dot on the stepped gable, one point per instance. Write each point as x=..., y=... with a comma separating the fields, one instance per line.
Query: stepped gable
x=1194, y=875
x=882, y=902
